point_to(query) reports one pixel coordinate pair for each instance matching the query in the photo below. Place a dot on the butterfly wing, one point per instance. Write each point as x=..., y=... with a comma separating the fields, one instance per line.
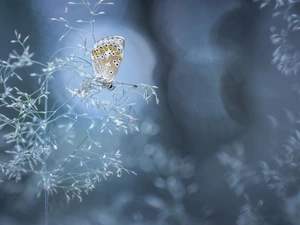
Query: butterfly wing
x=107, y=55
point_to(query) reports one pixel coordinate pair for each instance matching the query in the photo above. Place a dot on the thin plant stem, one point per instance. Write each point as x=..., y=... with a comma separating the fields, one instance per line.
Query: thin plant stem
x=45, y=159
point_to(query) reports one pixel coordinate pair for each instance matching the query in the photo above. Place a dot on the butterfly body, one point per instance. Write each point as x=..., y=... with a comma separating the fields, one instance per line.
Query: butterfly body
x=107, y=56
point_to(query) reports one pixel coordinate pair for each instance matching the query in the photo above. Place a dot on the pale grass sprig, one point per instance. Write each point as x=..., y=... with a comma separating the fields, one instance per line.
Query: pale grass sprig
x=29, y=125
x=41, y=136
x=286, y=54
x=281, y=174
x=250, y=214
x=91, y=168
x=16, y=60
x=93, y=9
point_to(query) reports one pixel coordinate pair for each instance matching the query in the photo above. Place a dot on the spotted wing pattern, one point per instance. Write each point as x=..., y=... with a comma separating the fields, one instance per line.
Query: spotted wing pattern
x=107, y=55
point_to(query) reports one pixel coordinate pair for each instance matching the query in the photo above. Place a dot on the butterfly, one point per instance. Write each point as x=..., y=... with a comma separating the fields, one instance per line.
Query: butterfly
x=107, y=56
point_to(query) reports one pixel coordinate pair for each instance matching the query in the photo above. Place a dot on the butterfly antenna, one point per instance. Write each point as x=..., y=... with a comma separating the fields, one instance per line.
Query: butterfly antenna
x=132, y=85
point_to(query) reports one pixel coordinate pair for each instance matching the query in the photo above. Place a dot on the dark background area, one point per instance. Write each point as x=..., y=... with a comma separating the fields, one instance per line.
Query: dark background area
x=216, y=85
